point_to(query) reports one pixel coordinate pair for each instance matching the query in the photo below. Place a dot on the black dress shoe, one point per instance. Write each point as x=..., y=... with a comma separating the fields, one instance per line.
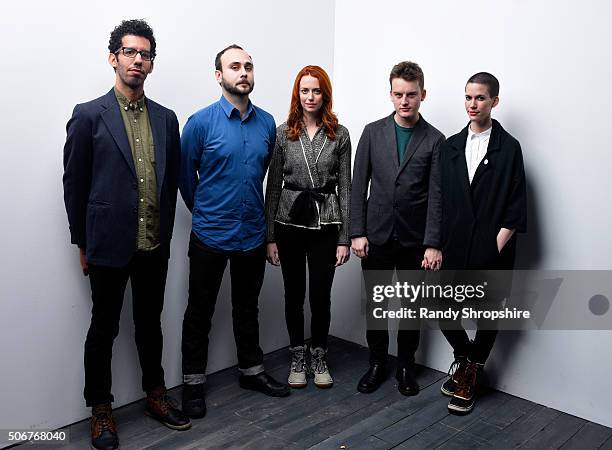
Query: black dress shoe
x=193, y=402
x=164, y=409
x=406, y=382
x=264, y=383
x=372, y=379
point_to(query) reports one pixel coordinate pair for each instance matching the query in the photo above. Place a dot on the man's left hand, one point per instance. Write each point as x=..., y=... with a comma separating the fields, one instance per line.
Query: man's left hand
x=432, y=259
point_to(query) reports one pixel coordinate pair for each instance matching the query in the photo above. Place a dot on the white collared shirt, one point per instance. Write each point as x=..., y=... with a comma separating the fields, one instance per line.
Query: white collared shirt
x=475, y=150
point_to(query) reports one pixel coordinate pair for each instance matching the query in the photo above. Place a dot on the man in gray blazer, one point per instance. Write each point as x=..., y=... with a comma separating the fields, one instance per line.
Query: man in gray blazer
x=398, y=226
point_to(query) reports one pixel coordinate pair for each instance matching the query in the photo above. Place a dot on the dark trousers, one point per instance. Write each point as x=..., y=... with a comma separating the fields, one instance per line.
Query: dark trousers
x=477, y=351
x=389, y=256
x=206, y=267
x=147, y=273
x=296, y=246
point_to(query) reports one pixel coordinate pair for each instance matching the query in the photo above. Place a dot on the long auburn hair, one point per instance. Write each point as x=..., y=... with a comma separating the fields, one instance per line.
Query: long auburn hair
x=328, y=118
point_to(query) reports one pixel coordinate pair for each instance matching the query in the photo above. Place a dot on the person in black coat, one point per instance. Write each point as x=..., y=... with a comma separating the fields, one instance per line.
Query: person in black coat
x=483, y=207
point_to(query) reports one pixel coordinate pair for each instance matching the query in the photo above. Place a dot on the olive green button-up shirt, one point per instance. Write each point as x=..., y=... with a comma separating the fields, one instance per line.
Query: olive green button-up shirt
x=139, y=134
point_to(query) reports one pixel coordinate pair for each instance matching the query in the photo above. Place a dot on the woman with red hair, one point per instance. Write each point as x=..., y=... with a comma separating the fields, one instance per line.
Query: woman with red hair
x=307, y=214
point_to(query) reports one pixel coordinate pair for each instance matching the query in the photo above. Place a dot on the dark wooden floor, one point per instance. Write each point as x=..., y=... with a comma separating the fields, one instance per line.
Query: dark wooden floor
x=340, y=417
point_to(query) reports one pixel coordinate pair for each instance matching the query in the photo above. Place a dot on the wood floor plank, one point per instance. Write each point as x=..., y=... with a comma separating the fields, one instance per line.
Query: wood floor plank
x=589, y=436
x=556, y=433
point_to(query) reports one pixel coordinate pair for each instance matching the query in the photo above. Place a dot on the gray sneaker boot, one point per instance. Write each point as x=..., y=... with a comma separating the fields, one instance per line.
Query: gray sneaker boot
x=297, y=372
x=318, y=366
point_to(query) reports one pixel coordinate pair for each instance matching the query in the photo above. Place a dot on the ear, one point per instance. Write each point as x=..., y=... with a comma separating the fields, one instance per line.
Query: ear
x=423, y=94
x=151, y=68
x=218, y=76
x=495, y=102
x=112, y=60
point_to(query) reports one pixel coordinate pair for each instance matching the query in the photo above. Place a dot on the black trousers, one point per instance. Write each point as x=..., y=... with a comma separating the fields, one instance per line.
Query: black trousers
x=296, y=246
x=206, y=267
x=388, y=257
x=147, y=273
x=478, y=350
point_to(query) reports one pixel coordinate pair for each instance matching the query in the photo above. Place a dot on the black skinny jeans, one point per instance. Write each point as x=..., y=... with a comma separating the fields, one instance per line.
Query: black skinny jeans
x=147, y=273
x=296, y=246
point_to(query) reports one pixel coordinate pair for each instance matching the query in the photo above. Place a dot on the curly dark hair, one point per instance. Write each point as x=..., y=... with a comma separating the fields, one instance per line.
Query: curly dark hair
x=134, y=27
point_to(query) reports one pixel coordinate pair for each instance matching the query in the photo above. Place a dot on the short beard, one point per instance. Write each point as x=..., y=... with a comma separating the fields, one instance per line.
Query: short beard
x=234, y=90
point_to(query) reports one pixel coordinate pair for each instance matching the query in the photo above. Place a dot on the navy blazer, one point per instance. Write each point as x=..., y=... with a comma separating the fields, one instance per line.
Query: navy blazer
x=473, y=214
x=403, y=199
x=100, y=184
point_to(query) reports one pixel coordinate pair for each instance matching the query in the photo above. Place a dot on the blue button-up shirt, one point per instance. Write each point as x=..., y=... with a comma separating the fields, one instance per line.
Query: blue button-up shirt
x=223, y=165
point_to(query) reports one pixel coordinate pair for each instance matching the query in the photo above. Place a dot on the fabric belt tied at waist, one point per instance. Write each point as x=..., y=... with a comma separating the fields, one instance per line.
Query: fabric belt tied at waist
x=304, y=210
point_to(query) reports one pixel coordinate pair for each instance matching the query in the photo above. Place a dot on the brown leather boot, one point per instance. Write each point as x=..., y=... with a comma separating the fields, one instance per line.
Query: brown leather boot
x=464, y=398
x=456, y=373
x=164, y=409
x=103, y=428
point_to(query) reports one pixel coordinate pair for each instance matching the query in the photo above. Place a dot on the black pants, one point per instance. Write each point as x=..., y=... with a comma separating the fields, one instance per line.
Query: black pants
x=318, y=247
x=477, y=351
x=147, y=273
x=388, y=257
x=206, y=267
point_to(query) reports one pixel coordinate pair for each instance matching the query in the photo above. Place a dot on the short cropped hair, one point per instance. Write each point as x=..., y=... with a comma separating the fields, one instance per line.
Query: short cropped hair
x=409, y=71
x=134, y=27
x=220, y=54
x=488, y=80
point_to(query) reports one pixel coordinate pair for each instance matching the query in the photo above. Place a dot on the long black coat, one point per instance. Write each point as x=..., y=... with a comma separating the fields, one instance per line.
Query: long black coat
x=472, y=215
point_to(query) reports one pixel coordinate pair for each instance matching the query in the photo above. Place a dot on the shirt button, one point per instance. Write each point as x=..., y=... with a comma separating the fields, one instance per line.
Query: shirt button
x=139, y=159
x=137, y=140
x=141, y=200
x=135, y=120
x=142, y=180
x=245, y=161
x=141, y=219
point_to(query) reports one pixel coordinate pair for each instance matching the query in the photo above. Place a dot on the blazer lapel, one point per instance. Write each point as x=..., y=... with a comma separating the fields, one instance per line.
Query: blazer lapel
x=111, y=115
x=158, y=128
x=417, y=137
x=390, y=143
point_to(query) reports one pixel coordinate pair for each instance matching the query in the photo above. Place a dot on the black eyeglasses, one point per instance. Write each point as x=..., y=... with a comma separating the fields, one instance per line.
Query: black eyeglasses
x=130, y=52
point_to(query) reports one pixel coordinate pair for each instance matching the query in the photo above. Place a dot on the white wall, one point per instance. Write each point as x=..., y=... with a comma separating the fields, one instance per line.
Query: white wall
x=54, y=56
x=552, y=60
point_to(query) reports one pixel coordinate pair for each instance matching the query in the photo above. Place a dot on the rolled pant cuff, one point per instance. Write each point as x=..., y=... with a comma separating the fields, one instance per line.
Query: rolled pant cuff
x=194, y=378
x=255, y=370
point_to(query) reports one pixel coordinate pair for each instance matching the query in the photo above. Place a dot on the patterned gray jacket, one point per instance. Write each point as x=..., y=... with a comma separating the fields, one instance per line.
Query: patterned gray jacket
x=329, y=162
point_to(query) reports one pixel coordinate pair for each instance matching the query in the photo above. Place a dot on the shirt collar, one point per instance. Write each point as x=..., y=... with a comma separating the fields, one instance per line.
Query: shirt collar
x=228, y=108
x=484, y=135
x=126, y=104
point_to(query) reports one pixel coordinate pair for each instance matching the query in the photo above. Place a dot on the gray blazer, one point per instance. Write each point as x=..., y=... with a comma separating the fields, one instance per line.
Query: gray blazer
x=330, y=164
x=404, y=201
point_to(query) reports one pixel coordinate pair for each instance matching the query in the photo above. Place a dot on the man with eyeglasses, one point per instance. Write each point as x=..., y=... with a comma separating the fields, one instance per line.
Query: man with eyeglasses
x=226, y=148
x=121, y=167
